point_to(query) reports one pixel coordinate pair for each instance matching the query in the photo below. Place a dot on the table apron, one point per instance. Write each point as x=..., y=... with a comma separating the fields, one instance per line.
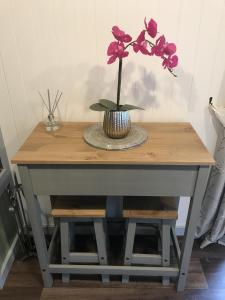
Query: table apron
x=113, y=180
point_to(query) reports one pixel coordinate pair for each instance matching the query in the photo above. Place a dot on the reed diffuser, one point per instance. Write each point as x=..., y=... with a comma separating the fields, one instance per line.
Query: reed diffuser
x=51, y=123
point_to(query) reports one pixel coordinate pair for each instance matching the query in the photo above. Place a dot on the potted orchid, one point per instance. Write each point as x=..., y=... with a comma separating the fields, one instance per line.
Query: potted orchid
x=117, y=122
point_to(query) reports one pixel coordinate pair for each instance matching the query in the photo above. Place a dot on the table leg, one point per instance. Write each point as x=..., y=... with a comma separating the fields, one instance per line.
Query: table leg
x=65, y=247
x=101, y=246
x=129, y=245
x=35, y=220
x=166, y=224
x=114, y=207
x=192, y=219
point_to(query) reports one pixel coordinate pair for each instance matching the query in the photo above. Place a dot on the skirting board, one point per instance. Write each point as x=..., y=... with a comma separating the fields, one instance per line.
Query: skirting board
x=7, y=264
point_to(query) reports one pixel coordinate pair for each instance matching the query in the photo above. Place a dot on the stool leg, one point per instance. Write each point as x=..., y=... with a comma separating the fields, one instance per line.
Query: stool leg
x=165, y=248
x=130, y=235
x=101, y=245
x=65, y=247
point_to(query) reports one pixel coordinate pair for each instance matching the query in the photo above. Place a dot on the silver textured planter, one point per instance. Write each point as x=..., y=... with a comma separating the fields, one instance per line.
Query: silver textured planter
x=116, y=124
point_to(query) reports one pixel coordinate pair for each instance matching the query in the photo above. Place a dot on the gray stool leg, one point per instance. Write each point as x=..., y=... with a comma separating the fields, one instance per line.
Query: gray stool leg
x=101, y=245
x=130, y=235
x=65, y=246
x=165, y=248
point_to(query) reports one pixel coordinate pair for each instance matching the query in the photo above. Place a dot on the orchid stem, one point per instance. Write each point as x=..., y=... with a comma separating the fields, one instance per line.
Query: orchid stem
x=120, y=72
x=131, y=43
x=119, y=83
x=170, y=70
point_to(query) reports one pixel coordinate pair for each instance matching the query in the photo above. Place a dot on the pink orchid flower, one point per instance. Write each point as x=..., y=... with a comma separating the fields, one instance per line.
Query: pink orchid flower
x=162, y=47
x=159, y=47
x=170, y=49
x=151, y=27
x=116, y=50
x=141, y=44
x=170, y=62
x=120, y=35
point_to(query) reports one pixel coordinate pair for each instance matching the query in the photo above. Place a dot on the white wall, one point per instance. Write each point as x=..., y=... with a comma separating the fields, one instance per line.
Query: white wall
x=61, y=44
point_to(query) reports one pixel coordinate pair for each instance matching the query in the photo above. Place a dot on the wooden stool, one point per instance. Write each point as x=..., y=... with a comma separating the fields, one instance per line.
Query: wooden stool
x=72, y=209
x=139, y=210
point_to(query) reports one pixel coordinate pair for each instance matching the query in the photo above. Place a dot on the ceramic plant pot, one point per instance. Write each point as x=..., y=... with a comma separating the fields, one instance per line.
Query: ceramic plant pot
x=116, y=124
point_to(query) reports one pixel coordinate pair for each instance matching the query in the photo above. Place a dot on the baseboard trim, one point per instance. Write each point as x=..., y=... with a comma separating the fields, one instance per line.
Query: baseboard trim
x=7, y=264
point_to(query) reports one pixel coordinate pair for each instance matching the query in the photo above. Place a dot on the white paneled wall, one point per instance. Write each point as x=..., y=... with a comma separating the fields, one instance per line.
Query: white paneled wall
x=61, y=44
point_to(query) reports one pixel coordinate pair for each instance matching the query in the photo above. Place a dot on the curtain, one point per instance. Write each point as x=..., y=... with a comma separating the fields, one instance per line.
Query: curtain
x=211, y=224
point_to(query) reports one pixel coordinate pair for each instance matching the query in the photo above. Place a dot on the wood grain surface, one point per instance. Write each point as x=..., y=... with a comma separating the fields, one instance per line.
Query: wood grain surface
x=150, y=214
x=168, y=144
x=78, y=213
x=78, y=207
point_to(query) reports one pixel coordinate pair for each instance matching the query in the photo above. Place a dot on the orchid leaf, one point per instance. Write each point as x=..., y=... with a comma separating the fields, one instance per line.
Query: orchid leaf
x=130, y=107
x=110, y=105
x=98, y=107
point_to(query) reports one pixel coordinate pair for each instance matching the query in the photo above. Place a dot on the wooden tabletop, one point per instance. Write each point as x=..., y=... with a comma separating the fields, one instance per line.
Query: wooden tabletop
x=168, y=144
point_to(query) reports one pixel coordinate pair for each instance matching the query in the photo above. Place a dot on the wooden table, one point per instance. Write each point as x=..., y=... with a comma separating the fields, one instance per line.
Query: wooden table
x=172, y=162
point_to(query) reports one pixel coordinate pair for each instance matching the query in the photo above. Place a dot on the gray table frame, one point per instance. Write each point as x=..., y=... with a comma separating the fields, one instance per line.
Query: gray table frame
x=114, y=180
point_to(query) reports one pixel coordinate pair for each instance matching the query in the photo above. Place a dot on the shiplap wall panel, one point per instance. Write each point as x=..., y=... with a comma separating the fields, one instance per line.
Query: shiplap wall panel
x=100, y=82
x=206, y=44
x=205, y=59
x=62, y=44
x=217, y=73
x=7, y=123
x=188, y=43
x=22, y=109
x=166, y=84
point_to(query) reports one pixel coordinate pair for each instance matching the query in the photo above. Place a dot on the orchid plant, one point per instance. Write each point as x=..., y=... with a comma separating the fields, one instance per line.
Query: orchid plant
x=118, y=50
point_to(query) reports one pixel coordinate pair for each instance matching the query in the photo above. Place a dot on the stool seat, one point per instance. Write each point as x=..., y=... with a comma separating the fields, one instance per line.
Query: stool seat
x=150, y=208
x=78, y=213
x=78, y=207
x=150, y=214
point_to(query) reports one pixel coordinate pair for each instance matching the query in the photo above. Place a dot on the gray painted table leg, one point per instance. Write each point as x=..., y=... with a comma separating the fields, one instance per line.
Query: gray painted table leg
x=129, y=245
x=193, y=215
x=165, y=248
x=35, y=220
x=101, y=245
x=65, y=247
x=114, y=207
